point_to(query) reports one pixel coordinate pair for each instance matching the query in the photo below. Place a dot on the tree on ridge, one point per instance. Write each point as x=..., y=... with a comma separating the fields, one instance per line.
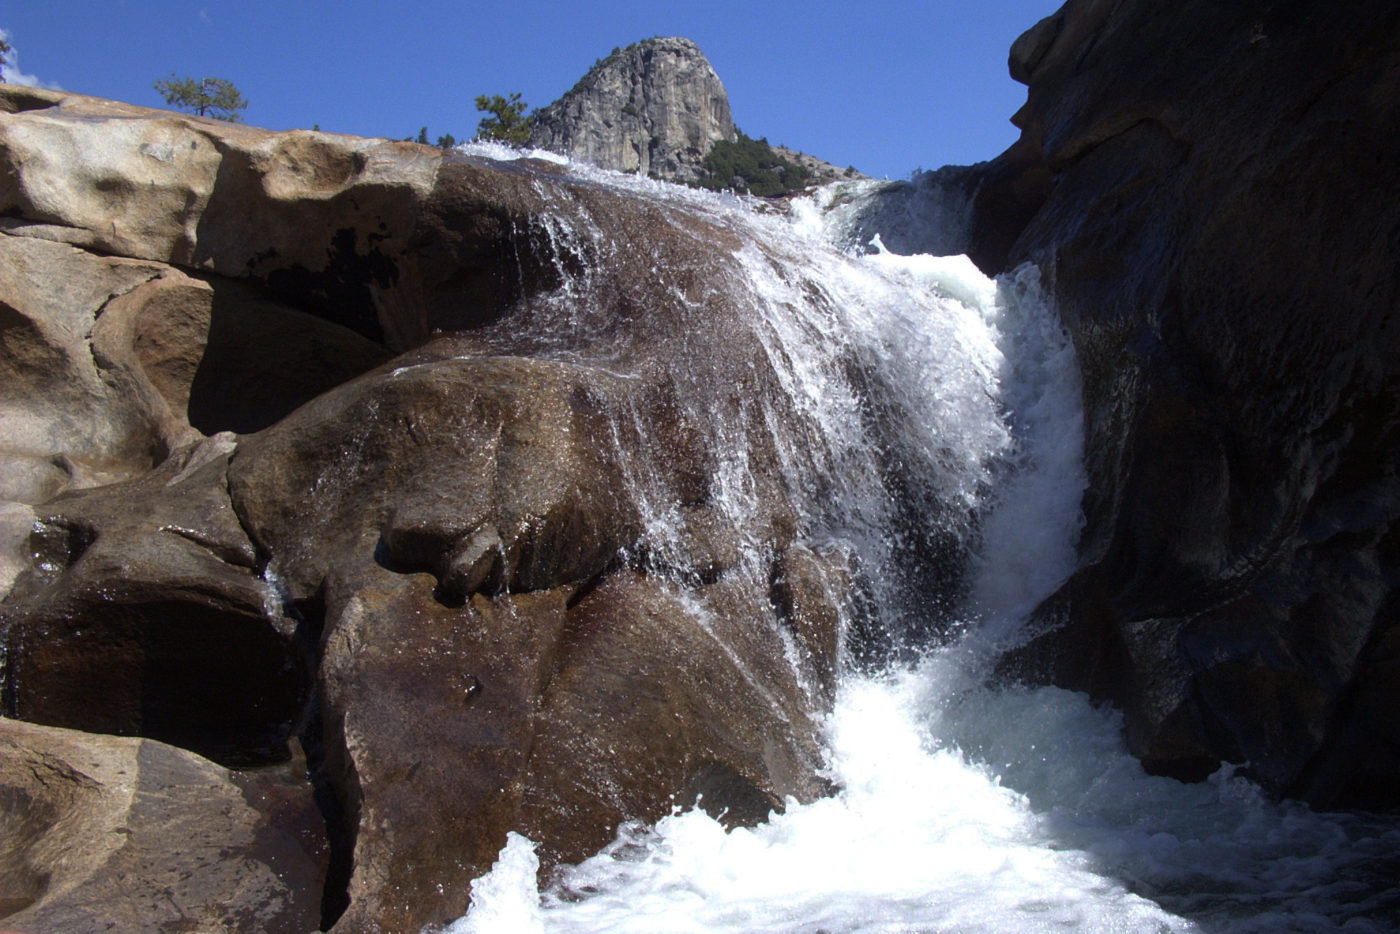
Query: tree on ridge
x=506, y=120
x=206, y=97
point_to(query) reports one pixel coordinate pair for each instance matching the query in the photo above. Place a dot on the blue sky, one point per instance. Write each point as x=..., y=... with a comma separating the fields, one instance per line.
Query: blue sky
x=888, y=87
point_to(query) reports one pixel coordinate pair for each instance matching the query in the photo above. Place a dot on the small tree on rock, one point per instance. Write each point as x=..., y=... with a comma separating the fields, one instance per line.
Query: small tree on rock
x=207, y=97
x=4, y=56
x=506, y=120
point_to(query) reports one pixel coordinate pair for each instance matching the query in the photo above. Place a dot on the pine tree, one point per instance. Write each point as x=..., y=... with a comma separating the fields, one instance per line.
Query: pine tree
x=507, y=121
x=207, y=97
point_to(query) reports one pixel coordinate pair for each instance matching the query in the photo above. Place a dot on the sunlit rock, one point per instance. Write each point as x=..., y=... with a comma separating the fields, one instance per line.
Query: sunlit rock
x=104, y=832
x=654, y=108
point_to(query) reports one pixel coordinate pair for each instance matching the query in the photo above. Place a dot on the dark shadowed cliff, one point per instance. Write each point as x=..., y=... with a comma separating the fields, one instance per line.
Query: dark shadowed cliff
x=1209, y=189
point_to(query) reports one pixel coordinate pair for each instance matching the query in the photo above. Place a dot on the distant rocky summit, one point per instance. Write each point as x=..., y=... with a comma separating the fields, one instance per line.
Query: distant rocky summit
x=654, y=108
x=658, y=108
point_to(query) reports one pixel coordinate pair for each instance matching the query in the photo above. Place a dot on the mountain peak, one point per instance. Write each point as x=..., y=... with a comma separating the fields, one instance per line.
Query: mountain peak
x=655, y=108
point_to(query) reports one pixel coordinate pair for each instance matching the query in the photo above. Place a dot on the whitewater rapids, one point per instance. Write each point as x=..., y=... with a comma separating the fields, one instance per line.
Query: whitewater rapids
x=966, y=806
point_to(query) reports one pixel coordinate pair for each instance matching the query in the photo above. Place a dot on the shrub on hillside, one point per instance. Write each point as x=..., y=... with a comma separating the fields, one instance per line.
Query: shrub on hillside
x=751, y=165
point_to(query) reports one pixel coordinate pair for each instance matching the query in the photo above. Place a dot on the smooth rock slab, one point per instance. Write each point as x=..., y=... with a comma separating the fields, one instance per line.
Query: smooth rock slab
x=103, y=833
x=68, y=417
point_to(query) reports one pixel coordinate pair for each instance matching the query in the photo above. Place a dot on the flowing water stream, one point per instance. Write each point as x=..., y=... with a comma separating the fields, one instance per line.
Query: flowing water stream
x=963, y=806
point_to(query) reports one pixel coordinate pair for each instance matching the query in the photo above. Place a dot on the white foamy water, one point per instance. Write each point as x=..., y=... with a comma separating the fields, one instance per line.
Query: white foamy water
x=962, y=807
x=988, y=811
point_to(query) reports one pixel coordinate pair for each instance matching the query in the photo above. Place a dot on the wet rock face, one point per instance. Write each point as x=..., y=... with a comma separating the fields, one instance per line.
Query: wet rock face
x=654, y=108
x=472, y=470
x=1212, y=229
x=412, y=461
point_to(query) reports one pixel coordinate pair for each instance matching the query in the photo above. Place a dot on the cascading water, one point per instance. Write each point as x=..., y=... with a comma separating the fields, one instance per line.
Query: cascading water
x=914, y=384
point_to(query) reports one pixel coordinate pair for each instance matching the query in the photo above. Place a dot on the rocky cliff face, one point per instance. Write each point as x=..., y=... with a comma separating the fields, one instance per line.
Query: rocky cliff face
x=654, y=108
x=1203, y=185
x=352, y=445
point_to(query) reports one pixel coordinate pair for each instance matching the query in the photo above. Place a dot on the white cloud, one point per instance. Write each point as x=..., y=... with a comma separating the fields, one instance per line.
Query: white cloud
x=13, y=74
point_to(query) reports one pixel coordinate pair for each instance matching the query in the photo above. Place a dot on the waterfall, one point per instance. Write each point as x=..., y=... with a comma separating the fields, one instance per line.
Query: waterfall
x=914, y=387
